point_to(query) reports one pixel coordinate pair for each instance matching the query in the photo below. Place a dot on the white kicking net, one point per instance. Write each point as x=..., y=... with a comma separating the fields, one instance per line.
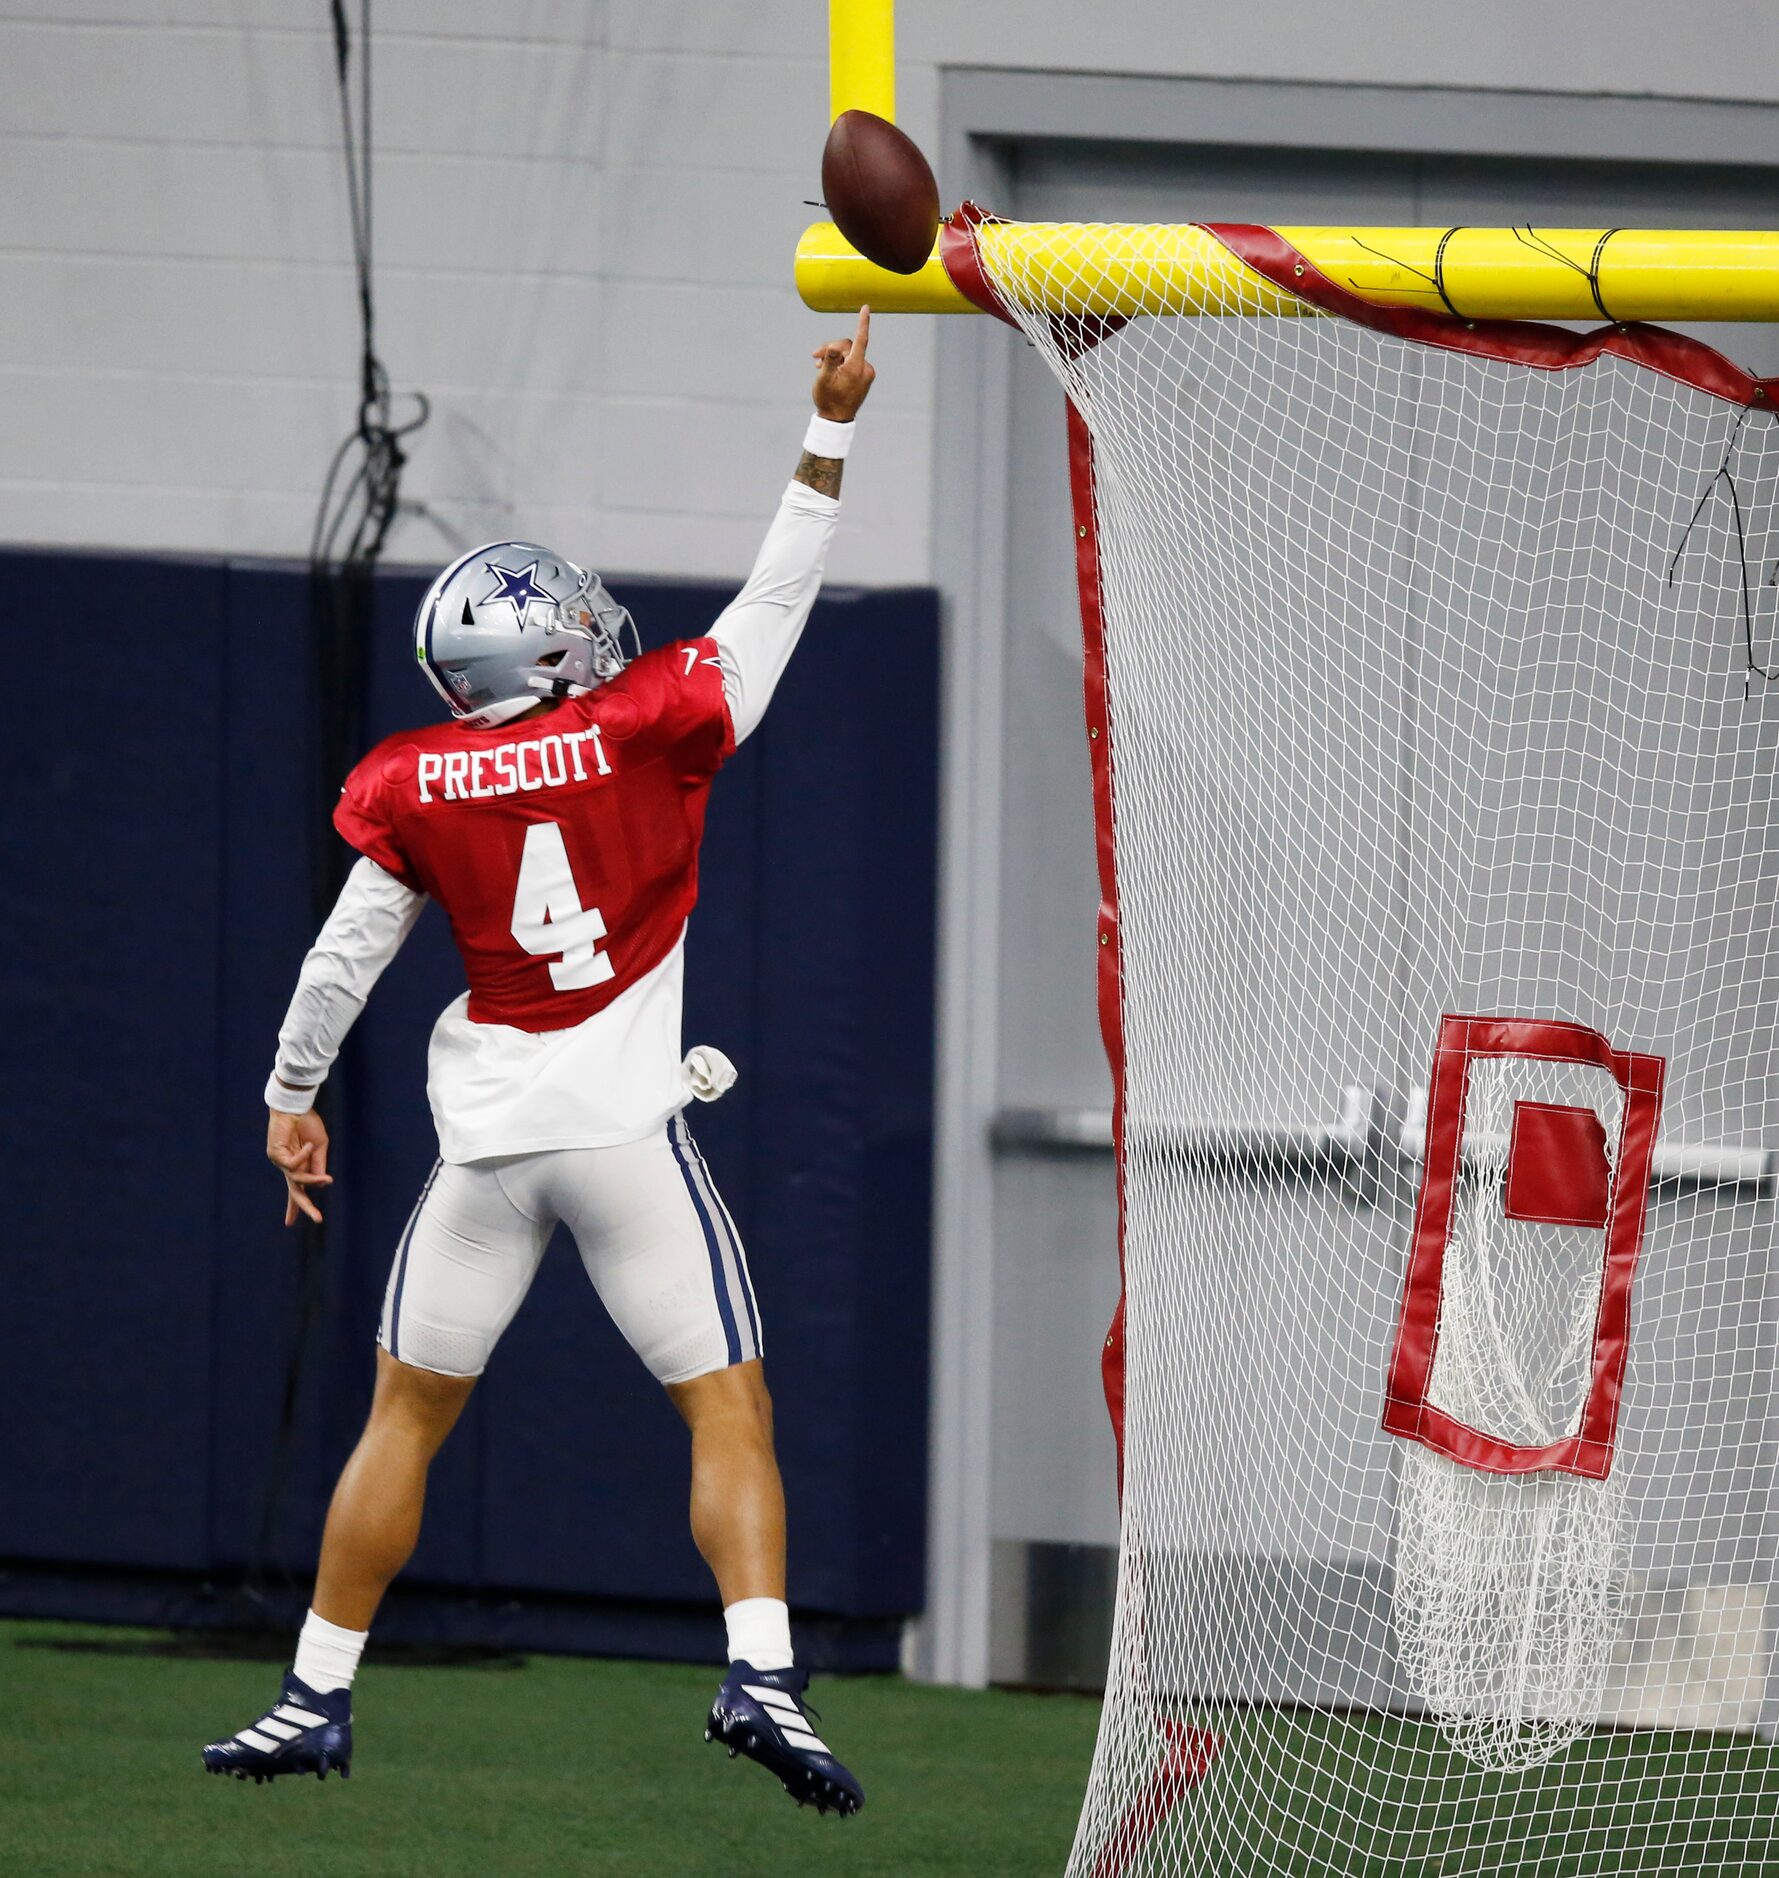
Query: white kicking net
x=1429, y=692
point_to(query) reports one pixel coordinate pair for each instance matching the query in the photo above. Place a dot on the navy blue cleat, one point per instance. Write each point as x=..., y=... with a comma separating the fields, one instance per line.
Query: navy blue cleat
x=304, y=1732
x=760, y=1713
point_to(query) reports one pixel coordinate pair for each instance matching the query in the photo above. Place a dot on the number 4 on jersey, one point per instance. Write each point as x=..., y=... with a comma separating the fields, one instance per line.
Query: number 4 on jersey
x=548, y=917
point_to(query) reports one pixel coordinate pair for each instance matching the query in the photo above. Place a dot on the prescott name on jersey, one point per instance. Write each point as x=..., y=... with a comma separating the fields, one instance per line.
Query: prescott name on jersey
x=512, y=769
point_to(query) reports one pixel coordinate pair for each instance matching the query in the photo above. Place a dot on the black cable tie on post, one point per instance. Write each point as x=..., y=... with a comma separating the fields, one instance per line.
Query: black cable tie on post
x=1435, y=280
x=1594, y=275
x=1542, y=244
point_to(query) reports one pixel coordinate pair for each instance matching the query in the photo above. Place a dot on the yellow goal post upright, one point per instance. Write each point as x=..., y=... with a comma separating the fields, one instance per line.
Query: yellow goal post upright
x=1432, y=697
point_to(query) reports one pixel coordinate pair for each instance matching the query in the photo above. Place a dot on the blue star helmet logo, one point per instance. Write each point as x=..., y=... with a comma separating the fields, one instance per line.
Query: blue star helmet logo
x=516, y=586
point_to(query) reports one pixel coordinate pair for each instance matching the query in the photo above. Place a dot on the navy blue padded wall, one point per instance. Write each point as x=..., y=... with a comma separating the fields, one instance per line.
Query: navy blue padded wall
x=163, y=1275
x=842, y=1198
x=108, y=1002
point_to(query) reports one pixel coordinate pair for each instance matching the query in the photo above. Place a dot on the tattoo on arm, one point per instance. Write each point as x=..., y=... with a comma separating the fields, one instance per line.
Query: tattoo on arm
x=820, y=473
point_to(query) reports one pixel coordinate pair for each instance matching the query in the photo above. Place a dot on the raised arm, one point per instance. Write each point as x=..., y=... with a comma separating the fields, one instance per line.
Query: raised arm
x=759, y=629
x=371, y=918
x=843, y=378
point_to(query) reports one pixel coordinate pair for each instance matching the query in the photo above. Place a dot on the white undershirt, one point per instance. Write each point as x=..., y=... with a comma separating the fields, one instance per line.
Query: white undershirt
x=616, y=1076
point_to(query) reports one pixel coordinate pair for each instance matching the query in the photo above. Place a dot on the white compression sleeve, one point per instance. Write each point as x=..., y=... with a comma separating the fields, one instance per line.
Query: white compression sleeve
x=371, y=918
x=759, y=629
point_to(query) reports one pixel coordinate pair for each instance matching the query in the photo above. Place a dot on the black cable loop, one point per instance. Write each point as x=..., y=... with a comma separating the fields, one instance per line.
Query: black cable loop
x=1439, y=272
x=1599, y=254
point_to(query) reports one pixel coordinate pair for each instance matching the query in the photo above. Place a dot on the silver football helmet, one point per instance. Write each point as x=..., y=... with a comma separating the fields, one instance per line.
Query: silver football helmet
x=491, y=620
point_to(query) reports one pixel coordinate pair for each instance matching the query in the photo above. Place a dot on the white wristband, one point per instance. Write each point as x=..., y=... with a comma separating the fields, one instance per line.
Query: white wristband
x=286, y=1100
x=826, y=438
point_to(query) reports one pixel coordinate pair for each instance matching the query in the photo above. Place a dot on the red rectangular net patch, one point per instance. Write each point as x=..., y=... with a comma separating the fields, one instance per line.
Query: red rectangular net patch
x=1557, y=1174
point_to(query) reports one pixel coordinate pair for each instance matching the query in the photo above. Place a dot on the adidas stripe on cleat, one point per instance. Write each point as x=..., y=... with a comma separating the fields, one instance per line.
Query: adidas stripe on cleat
x=760, y=1713
x=303, y=1732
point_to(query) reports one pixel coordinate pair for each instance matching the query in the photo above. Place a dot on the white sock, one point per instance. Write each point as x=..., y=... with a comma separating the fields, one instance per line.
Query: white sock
x=759, y=1632
x=327, y=1656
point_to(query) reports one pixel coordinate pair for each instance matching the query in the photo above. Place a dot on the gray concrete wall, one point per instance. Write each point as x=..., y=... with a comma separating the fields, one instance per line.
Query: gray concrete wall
x=585, y=215
x=584, y=218
x=1721, y=49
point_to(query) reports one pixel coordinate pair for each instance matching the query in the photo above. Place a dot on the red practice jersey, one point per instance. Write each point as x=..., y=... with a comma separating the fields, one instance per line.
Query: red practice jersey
x=564, y=849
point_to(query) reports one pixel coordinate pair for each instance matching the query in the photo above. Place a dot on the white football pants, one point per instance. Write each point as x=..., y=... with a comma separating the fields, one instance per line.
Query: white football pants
x=652, y=1230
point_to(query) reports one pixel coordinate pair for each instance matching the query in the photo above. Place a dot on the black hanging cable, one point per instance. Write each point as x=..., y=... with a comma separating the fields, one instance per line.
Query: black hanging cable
x=361, y=492
x=360, y=498
x=364, y=507
x=1723, y=474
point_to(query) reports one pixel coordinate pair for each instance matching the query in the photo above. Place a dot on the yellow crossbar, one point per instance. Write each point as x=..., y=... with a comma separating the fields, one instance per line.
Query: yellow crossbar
x=1487, y=273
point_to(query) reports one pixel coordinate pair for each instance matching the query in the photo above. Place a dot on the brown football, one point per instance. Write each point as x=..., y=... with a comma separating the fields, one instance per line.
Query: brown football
x=880, y=191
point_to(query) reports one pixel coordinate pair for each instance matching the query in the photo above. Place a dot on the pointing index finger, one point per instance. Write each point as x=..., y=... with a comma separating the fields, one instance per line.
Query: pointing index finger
x=862, y=335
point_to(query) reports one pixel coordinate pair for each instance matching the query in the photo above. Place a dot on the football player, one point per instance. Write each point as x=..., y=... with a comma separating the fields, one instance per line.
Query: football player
x=556, y=817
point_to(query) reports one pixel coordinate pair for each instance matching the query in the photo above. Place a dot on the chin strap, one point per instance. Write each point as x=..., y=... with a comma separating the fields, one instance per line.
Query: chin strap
x=492, y=715
x=553, y=687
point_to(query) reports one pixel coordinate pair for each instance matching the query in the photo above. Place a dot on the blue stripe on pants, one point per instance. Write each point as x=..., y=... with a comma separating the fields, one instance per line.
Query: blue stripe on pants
x=730, y=1237
x=401, y=1261
x=677, y=1136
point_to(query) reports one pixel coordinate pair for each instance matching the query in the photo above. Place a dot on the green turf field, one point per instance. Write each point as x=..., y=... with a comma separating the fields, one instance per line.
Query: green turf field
x=561, y=1767
x=1303, y=1794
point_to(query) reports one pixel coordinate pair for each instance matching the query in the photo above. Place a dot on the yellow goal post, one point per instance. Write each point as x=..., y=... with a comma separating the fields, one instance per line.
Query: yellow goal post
x=1620, y=274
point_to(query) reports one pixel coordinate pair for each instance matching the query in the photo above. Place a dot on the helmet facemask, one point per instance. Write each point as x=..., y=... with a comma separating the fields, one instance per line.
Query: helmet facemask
x=599, y=626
